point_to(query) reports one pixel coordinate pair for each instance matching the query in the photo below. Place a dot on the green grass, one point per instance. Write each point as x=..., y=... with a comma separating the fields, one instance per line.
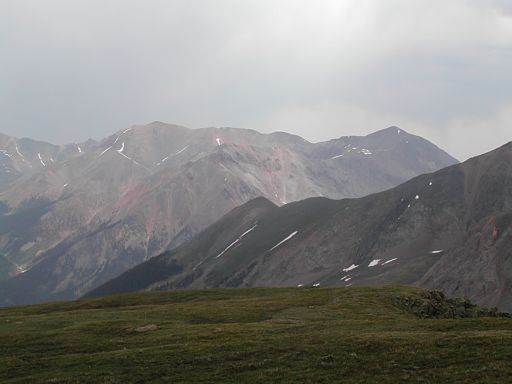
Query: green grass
x=286, y=335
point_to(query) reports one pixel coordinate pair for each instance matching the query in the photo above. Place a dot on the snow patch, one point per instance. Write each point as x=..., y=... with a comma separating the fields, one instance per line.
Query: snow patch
x=227, y=248
x=174, y=154
x=417, y=197
x=353, y=266
x=41, y=160
x=430, y=183
x=374, y=262
x=102, y=153
x=390, y=261
x=180, y=151
x=283, y=241
x=199, y=264
x=437, y=251
x=18, y=152
x=337, y=156
x=162, y=161
x=248, y=231
x=126, y=157
x=219, y=142
x=120, y=151
x=316, y=285
x=79, y=149
x=236, y=241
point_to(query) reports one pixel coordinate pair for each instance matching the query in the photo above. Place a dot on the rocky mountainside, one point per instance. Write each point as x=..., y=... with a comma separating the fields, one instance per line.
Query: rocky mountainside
x=450, y=230
x=77, y=222
x=21, y=157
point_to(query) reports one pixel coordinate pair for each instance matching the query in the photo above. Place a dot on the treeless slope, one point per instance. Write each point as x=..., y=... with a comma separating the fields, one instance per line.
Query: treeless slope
x=450, y=230
x=354, y=335
x=150, y=188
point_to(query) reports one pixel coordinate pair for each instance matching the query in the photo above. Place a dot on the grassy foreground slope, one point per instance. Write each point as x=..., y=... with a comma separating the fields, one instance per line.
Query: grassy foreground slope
x=299, y=335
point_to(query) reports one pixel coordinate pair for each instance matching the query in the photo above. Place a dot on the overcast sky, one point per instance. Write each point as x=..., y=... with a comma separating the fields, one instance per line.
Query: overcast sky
x=70, y=70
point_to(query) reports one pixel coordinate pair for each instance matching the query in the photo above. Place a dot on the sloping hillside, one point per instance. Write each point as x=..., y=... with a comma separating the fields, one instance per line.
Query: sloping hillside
x=449, y=230
x=145, y=189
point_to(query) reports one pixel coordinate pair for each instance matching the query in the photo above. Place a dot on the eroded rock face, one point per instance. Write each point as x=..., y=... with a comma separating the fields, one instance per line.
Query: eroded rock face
x=450, y=230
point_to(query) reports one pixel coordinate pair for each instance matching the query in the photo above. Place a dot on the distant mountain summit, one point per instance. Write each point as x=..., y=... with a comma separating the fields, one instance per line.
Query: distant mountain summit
x=449, y=230
x=100, y=208
x=20, y=157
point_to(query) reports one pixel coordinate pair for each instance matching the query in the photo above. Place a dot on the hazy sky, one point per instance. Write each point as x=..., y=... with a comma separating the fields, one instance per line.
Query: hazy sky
x=73, y=69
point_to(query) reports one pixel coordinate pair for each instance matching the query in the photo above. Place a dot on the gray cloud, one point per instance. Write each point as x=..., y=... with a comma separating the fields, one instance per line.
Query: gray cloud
x=321, y=69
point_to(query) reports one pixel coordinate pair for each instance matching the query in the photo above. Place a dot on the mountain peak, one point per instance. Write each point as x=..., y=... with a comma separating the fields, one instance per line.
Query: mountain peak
x=448, y=230
x=148, y=188
x=393, y=131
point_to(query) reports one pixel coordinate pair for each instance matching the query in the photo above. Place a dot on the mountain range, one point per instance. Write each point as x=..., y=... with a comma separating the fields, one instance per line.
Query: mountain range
x=75, y=216
x=449, y=230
